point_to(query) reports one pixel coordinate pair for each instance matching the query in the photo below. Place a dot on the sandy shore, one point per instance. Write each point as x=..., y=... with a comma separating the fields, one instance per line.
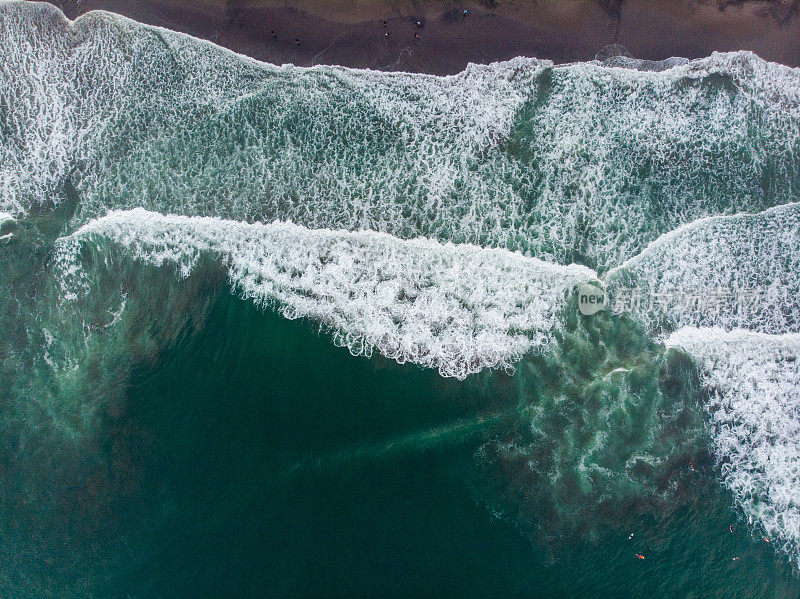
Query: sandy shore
x=438, y=36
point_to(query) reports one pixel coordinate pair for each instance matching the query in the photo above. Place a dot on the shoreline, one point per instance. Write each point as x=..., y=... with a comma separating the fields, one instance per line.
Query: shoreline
x=438, y=37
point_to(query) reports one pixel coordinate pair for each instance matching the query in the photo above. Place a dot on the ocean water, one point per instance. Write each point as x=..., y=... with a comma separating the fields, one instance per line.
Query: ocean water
x=270, y=331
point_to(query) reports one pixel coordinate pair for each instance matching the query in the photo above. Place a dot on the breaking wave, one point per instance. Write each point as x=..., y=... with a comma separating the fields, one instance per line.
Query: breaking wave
x=748, y=347
x=740, y=271
x=459, y=309
x=755, y=412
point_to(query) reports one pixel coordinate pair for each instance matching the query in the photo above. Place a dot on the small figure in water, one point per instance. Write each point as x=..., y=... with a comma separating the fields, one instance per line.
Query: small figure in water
x=297, y=41
x=274, y=35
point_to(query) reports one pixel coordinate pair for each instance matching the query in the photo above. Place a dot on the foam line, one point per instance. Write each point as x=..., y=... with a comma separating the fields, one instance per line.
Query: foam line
x=456, y=308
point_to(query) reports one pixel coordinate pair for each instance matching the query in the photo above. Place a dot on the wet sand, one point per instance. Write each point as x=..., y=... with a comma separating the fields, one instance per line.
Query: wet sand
x=439, y=37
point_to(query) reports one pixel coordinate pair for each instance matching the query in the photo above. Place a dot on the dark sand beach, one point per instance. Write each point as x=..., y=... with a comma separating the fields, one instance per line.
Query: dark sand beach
x=441, y=36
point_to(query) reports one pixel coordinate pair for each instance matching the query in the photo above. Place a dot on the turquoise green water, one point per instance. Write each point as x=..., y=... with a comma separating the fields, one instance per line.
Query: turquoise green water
x=280, y=332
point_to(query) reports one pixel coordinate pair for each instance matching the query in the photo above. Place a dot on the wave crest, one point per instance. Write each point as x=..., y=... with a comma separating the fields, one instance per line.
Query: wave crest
x=456, y=308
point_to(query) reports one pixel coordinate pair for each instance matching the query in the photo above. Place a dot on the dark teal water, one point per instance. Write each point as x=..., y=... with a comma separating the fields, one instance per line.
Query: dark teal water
x=248, y=457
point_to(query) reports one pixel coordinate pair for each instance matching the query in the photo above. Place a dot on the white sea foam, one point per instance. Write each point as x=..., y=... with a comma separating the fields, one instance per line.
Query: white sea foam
x=105, y=89
x=579, y=162
x=457, y=308
x=739, y=271
x=755, y=412
x=7, y=222
x=55, y=100
x=639, y=64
